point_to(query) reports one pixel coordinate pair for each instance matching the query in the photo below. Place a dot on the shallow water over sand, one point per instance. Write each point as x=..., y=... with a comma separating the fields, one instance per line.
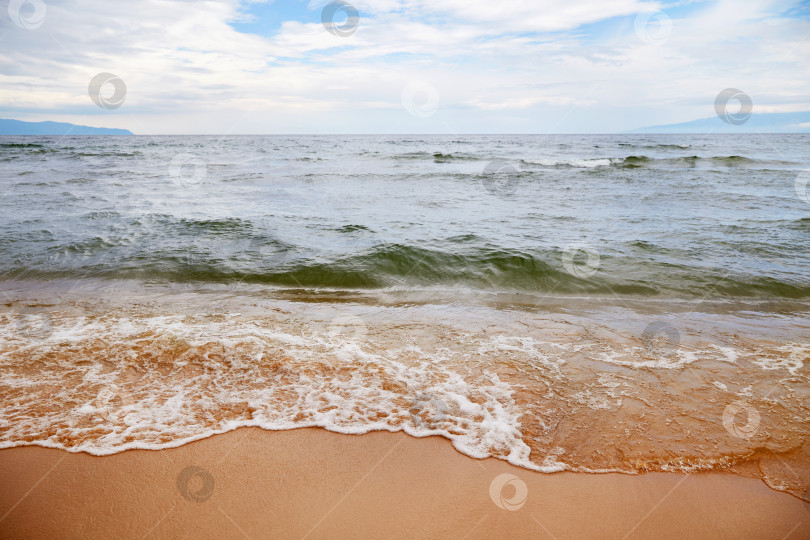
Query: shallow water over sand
x=554, y=383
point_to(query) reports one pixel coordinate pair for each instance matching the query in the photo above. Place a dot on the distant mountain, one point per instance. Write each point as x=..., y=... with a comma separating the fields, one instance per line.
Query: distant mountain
x=18, y=127
x=758, y=123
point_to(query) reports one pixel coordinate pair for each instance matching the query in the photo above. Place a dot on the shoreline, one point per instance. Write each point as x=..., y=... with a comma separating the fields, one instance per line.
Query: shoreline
x=312, y=483
x=611, y=389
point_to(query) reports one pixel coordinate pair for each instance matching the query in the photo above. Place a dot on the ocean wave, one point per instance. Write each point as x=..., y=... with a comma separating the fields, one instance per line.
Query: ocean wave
x=460, y=264
x=584, y=163
x=444, y=158
x=665, y=146
x=107, y=154
x=631, y=162
x=20, y=145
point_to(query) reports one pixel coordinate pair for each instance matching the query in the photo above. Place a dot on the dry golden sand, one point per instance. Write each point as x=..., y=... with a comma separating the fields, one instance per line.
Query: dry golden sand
x=310, y=483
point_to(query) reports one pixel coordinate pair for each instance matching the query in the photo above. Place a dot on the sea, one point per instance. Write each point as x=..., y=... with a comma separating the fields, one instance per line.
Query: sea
x=587, y=303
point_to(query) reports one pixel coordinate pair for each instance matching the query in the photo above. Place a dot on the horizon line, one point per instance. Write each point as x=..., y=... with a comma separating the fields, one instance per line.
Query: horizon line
x=726, y=133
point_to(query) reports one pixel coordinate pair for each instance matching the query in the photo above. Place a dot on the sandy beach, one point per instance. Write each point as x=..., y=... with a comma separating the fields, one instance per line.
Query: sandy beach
x=310, y=483
x=405, y=270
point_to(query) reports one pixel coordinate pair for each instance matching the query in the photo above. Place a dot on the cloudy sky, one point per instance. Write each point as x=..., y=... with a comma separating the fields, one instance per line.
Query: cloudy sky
x=409, y=66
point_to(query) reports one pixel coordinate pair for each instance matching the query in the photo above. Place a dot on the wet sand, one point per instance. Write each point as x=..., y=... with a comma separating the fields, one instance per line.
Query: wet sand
x=310, y=483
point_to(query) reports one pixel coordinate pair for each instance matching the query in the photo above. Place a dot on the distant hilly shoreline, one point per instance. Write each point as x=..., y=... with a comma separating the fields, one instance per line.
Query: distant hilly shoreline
x=757, y=123
x=798, y=122
x=19, y=127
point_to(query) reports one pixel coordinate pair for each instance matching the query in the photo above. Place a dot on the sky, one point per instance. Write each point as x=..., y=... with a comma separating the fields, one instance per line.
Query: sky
x=417, y=66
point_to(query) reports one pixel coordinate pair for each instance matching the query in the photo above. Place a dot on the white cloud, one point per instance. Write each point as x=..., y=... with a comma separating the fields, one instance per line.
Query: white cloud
x=506, y=66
